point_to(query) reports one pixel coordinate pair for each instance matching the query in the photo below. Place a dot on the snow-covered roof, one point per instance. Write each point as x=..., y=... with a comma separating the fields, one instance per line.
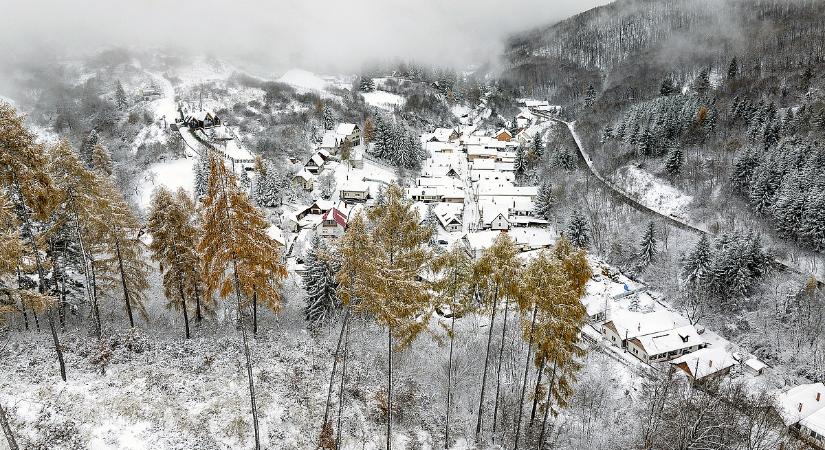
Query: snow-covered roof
x=303, y=174
x=317, y=160
x=329, y=140
x=484, y=164
x=276, y=234
x=353, y=185
x=447, y=219
x=816, y=421
x=705, y=361
x=512, y=191
x=345, y=129
x=630, y=324
x=443, y=134
x=480, y=150
x=490, y=211
x=801, y=402
x=335, y=215
x=670, y=340
x=755, y=364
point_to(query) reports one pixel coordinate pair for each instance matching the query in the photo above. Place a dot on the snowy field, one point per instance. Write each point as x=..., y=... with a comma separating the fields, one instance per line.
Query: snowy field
x=383, y=99
x=175, y=174
x=653, y=192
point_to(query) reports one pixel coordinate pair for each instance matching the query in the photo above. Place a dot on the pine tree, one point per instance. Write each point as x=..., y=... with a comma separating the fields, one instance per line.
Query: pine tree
x=453, y=290
x=697, y=265
x=590, y=96
x=174, y=239
x=320, y=283
x=239, y=256
x=328, y=116
x=122, y=265
x=667, y=87
x=120, y=96
x=87, y=148
x=244, y=182
x=201, y=169
x=102, y=160
x=367, y=84
x=702, y=82
x=674, y=161
x=519, y=165
x=545, y=201
x=733, y=69
x=538, y=145
x=578, y=230
x=648, y=246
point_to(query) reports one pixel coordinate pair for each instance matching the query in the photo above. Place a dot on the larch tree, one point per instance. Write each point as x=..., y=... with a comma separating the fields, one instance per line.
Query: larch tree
x=393, y=292
x=497, y=270
x=453, y=291
x=30, y=189
x=174, y=240
x=557, y=328
x=239, y=257
x=81, y=207
x=121, y=264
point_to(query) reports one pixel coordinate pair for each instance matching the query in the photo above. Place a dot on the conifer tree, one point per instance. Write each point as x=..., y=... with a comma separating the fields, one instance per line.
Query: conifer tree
x=174, y=239
x=697, y=265
x=519, y=164
x=328, y=116
x=82, y=208
x=87, y=148
x=453, y=290
x=553, y=284
x=369, y=130
x=578, y=230
x=102, y=160
x=496, y=274
x=23, y=175
x=239, y=257
x=122, y=264
x=667, y=87
x=648, y=246
x=392, y=292
x=545, y=201
x=538, y=145
x=120, y=96
x=201, y=169
x=319, y=282
x=590, y=96
x=675, y=158
x=733, y=69
x=367, y=84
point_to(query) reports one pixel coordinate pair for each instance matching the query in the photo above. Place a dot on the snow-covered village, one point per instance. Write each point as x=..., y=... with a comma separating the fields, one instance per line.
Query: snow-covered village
x=592, y=225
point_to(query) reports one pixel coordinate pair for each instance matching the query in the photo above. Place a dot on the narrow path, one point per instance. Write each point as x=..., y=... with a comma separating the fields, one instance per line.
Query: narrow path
x=622, y=196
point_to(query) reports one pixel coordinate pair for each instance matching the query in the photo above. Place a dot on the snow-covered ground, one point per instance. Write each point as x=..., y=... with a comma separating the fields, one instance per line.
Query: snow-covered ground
x=383, y=99
x=174, y=174
x=303, y=80
x=653, y=192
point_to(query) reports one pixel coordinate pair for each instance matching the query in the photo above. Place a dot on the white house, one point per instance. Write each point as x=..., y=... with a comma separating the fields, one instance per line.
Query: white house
x=315, y=164
x=333, y=224
x=705, y=364
x=754, y=366
x=623, y=325
x=303, y=180
x=476, y=152
x=349, y=132
x=449, y=222
x=802, y=408
x=665, y=345
x=495, y=217
x=354, y=190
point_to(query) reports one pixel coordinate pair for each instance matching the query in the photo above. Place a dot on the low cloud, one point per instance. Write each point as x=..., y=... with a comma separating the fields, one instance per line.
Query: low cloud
x=324, y=35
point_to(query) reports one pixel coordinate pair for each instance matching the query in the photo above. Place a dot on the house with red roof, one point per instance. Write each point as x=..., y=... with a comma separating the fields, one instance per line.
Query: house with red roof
x=333, y=223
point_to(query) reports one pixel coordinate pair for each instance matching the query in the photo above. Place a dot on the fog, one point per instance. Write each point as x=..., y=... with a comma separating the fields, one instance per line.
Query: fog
x=323, y=35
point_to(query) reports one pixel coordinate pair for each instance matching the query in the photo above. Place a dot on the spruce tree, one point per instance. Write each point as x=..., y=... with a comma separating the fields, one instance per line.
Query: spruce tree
x=545, y=201
x=87, y=148
x=578, y=230
x=697, y=265
x=102, y=160
x=675, y=158
x=201, y=169
x=538, y=145
x=519, y=164
x=648, y=246
x=328, y=116
x=367, y=84
x=667, y=87
x=321, y=267
x=120, y=96
x=733, y=69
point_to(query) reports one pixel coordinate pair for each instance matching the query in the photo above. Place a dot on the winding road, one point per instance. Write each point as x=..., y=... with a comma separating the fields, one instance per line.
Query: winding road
x=620, y=195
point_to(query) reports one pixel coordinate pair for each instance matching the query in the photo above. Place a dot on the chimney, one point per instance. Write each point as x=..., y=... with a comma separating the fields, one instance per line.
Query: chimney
x=818, y=395
x=710, y=363
x=639, y=326
x=800, y=406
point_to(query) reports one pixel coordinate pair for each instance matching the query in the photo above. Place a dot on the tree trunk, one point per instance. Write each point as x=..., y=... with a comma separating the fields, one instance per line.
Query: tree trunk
x=57, y=348
x=547, y=406
x=95, y=304
x=183, y=305
x=498, y=370
x=248, y=356
x=389, y=388
x=254, y=312
x=4, y=423
x=123, y=282
x=88, y=267
x=341, y=391
x=536, y=392
x=486, y=363
x=22, y=302
x=449, y=382
x=335, y=365
x=526, y=373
